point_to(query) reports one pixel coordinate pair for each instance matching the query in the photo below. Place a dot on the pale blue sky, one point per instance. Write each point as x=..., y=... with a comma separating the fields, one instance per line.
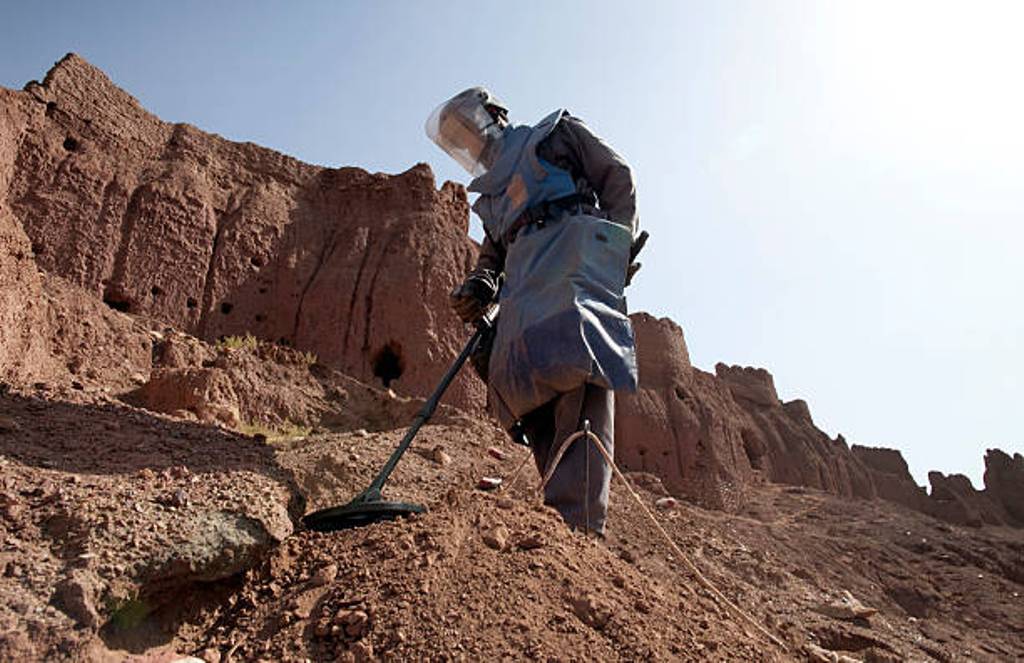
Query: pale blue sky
x=833, y=189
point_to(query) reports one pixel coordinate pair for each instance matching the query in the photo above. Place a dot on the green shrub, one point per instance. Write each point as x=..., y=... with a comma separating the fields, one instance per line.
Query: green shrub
x=247, y=342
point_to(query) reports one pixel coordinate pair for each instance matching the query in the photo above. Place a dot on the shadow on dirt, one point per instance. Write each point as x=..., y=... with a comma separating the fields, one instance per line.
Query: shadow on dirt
x=112, y=439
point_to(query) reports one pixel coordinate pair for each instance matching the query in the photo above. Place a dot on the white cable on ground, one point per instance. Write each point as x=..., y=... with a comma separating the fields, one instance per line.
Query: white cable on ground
x=519, y=468
x=639, y=500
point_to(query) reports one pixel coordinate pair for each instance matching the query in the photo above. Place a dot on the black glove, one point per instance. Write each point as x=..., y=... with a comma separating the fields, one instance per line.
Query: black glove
x=470, y=299
x=634, y=251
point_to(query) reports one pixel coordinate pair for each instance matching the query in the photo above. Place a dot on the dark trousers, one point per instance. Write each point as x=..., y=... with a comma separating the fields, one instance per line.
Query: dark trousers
x=548, y=426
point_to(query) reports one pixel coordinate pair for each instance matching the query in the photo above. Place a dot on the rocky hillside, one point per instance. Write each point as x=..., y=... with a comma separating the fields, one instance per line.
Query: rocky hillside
x=220, y=238
x=201, y=340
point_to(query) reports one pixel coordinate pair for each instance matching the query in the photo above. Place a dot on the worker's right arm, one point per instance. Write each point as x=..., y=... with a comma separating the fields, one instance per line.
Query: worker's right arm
x=492, y=256
x=474, y=295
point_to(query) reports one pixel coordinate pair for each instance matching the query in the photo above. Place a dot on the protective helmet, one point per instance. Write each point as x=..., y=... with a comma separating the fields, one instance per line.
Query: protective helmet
x=466, y=129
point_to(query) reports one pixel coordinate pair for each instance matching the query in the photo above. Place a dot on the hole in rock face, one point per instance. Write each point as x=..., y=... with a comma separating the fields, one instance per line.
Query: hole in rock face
x=388, y=364
x=38, y=248
x=70, y=144
x=226, y=307
x=156, y=291
x=260, y=317
x=681, y=393
x=51, y=106
x=256, y=261
x=117, y=301
x=191, y=302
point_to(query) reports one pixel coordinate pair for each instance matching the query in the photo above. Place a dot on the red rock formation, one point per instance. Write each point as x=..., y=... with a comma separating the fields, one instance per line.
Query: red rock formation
x=1004, y=481
x=49, y=330
x=682, y=424
x=891, y=476
x=222, y=238
x=952, y=498
x=708, y=436
x=20, y=285
x=955, y=500
x=792, y=449
x=754, y=385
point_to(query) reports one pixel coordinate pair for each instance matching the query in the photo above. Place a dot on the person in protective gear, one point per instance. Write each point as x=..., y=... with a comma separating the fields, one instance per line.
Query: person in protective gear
x=558, y=207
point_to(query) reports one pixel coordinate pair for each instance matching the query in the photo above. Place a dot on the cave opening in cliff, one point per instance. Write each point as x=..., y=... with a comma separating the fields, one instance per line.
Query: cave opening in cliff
x=117, y=301
x=388, y=364
x=70, y=144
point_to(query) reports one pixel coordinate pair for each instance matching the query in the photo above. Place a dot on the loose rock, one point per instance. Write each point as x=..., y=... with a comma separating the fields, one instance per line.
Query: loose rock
x=846, y=608
x=439, y=456
x=325, y=575
x=496, y=537
x=592, y=611
x=531, y=541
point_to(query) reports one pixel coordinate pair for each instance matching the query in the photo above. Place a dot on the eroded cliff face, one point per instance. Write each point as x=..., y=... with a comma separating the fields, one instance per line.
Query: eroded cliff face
x=20, y=285
x=220, y=238
x=708, y=435
x=790, y=447
x=50, y=329
x=1004, y=480
x=891, y=476
x=682, y=424
x=711, y=437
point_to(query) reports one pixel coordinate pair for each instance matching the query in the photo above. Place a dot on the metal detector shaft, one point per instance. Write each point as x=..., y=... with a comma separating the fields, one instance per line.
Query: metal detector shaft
x=427, y=411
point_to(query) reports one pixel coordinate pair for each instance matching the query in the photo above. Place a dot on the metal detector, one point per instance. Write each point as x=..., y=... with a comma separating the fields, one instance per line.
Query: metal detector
x=369, y=506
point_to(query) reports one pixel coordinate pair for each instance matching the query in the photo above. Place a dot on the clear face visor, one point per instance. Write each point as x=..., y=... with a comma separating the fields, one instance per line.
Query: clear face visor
x=466, y=131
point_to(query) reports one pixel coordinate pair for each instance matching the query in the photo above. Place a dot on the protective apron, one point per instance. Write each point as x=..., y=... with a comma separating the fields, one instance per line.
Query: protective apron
x=563, y=318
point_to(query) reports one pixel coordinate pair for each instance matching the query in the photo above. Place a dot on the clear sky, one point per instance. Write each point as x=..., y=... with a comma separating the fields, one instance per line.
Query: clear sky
x=833, y=189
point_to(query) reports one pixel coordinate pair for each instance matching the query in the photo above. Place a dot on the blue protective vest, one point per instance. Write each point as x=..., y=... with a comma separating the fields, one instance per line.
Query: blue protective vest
x=519, y=179
x=563, y=319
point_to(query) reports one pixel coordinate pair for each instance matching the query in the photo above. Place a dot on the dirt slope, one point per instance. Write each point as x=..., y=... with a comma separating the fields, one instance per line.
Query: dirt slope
x=480, y=575
x=128, y=532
